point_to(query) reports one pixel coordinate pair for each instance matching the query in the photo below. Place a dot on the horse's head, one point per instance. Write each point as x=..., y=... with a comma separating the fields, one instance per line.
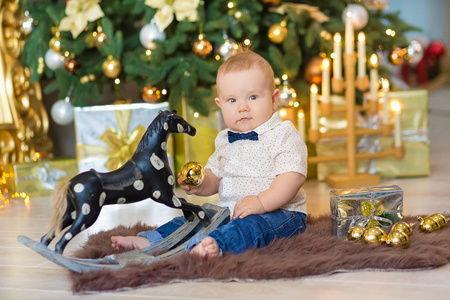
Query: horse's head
x=177, y=124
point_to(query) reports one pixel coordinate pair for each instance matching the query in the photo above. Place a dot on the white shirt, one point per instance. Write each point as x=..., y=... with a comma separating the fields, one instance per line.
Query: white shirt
x=247, y=167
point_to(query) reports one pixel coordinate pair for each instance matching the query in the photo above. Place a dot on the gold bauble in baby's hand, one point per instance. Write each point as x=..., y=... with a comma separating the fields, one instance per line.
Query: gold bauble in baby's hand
x=398, y=239
x=192, y=173
x=403, y=227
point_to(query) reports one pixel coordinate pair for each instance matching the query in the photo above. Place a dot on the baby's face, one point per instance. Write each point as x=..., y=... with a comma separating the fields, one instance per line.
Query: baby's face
x=246, y=99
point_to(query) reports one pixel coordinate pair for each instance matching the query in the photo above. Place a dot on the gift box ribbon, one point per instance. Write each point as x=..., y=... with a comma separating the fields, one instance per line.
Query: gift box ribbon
x=120, y=145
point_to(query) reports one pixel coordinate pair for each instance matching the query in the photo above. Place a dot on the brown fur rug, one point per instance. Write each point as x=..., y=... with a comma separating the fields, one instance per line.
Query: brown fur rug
x=315, y=252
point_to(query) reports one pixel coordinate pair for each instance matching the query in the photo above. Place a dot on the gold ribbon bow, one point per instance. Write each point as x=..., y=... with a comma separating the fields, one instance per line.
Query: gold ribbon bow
x=369, y=211
x=120, y=145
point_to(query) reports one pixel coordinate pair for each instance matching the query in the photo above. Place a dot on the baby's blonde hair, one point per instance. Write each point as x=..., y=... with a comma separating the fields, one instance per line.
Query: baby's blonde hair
x=245, y=59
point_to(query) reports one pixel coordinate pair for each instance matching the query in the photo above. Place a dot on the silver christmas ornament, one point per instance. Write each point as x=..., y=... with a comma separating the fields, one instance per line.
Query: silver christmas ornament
x=54, y=60
x=227, y=49
x=414, y=52
x=27, y=23
x=149, y=34
x=360, y=16
x=62, y=112
x=287, y=95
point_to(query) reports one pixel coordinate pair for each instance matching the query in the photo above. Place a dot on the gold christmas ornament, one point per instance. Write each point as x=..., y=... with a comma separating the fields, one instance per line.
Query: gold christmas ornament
x=271, y=2
x=192, y=173
x=277, y=32
x=398, y=239
x=313, y=71
x=87, y=78
x=396, y=56
x=98, y=38
x=111, y=67
x=202, y=48
x=403, y=227
x=442, y=221
x=428, y=224
x=355, y=233
x=55, y=42
x=72, y=65
x=151, y=94
x=374, y=235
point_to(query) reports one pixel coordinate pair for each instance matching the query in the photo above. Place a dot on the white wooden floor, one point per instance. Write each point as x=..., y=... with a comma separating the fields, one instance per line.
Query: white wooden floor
x=26, y=275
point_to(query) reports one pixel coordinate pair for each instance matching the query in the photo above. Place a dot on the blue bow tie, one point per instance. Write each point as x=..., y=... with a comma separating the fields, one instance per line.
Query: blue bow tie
x=234, y=136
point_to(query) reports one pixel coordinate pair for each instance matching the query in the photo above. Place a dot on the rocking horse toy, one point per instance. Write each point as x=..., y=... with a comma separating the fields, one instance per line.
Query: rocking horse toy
x=146, y=174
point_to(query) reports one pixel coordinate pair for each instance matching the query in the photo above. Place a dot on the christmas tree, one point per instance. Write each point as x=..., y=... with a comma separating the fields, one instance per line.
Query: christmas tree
x=172, y=49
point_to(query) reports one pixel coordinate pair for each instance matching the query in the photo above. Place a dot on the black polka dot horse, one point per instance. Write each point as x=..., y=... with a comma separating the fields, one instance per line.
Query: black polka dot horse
x=147, y=174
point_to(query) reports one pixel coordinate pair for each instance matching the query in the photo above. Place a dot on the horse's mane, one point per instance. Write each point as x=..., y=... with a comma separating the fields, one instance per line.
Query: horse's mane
x=155, y=128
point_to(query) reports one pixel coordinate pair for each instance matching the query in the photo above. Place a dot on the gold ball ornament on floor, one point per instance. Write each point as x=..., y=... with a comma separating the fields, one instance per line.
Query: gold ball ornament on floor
x=442, y=221
x=202, y=48
x=355, y=233
x=111, y=67
x=428, y=224
x=397, y=239
x=403, y=227
x=374, y=236
x=277, y=33
x=192, y=173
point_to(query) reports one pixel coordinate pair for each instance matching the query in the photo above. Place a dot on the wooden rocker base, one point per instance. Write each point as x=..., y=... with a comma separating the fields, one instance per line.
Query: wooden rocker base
x=118, y=261
x=344, y=180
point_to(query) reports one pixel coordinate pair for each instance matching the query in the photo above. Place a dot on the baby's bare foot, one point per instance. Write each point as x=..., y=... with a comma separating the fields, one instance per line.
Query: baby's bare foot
x=207, y=248
x=129, y=242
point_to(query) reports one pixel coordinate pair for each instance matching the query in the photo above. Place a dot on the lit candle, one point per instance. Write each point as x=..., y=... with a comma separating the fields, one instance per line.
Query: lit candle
x=301, y=123
x=337, y=61
x=395, y=106
x=373, y=77
x=385, y=85
x=361, y=54
x=349, y=43
x=325, y=80
x=313, y=98
x=283, y=113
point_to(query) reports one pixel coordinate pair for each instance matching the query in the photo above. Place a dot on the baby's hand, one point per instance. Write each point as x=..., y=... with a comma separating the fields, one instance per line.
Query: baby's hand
x=190, y=190
x=250, y=205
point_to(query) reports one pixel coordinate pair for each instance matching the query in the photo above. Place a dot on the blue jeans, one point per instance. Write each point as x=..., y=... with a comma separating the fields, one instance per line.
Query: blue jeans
x=239, y=235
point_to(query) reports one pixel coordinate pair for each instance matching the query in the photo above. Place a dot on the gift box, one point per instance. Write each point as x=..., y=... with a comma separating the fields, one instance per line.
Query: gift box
x=108, y=135
x=414, y=124
x=200, y=147
x=38, y=178
x=367, y=206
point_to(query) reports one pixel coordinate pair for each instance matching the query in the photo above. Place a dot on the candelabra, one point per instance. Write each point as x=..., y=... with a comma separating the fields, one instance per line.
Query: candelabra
x=349, y=84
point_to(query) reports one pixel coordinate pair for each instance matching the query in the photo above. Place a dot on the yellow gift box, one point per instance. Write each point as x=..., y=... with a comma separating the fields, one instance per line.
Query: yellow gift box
x=108, y=135
x=38, y=178
x=414, y=124
x=201, y=146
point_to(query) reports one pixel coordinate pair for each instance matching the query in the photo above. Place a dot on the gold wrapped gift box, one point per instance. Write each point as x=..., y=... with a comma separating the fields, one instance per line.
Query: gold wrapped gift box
x=197, y=148
x=108, y=135
x=414, y=124
x=39, y=178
